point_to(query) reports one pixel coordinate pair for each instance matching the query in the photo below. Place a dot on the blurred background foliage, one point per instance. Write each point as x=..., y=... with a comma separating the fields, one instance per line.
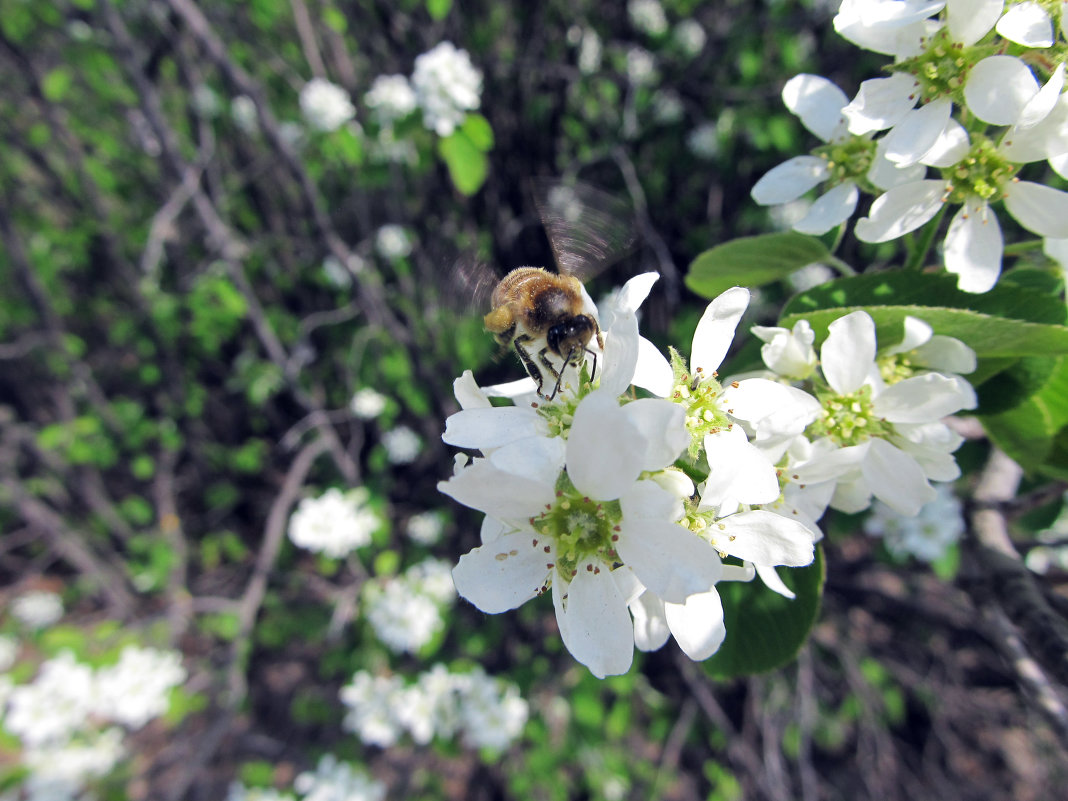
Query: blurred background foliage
x=180, y=348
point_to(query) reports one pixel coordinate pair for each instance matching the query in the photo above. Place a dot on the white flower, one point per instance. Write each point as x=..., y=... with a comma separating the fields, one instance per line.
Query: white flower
x=426, y=527
x=890, y=438
x=333, y=524
x=402, y=445
x=370, y=701
x=243, y=112
x=641, y=66
x=590, y=52
x=205, y=102
x=60, y=770
x=406, y=611
x=926, y=536
x=690, y=36
x=1028, y=24
x=703, y=140
x=334, y=780
x=447, y=86
x=391, y=97
x=788, y=353
x=55, y=705
x=338, y=274
x=37, y=609
x=367, y=403
x=845, y=163
x=647, y=16
x=239, y=792
x=9, y=652
x=667, y=106
x=325, y=105
x=891, y=27
x=393, y=242
x=135, y=689
x=493, y=713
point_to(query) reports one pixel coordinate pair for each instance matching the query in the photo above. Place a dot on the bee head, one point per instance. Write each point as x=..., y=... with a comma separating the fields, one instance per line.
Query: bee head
x=570, y=337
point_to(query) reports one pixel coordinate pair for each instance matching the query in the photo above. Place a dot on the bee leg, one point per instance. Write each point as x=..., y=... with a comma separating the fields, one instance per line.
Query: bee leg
x=593, y=370
x=557, y=374
x=528, y=362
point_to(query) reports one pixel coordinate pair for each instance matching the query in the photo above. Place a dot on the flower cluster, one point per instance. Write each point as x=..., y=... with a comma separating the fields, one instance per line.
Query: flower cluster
x=37, y=609
x=485, y=712
x=406, y=611
x=446, y=86
x=583, y=497
x=333, y=524
x=325, y=105
x=68, y=718
x=995, y=66
x=928, y=535
x=332, y=780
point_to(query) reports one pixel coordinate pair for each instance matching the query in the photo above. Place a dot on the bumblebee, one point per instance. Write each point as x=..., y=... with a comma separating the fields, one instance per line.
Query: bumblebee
x=543, y=315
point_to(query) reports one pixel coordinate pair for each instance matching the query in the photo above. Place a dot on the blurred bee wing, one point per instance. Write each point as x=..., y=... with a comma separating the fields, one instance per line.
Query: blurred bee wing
x=588, y=228
x=470, y=283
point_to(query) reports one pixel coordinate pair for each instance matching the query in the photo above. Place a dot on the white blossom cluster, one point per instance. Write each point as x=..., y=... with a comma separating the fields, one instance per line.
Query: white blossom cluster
x=583, y=499
x=37, y=609
x=928, y=535
x=647, y=16
x=447, y=86
x=982, y=61
x=69, y=718
x=325, y=105
x=485, y=712
x=332, y=780
x=406, y=611
x=334, y=524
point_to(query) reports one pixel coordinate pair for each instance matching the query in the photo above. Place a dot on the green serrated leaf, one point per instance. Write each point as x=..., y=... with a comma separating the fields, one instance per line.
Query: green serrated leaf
x=752, y=261
x=438, y=9
x=764, y=629
x=467, y=164
x=1033, y=432
x=478, y=130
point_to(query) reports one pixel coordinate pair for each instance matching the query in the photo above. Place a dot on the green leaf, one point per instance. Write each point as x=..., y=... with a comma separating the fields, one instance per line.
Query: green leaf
x=1007, y=322
x=752, y=261
x=478, y=130
x=1034, y=432
x=467, y=164
x=764, y=629
x=56, y=84
x=438, y=9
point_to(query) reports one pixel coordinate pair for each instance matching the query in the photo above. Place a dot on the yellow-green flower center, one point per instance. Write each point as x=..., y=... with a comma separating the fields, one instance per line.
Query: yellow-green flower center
x=941, y=70
x=895, y=368
x=982, y=173
x=848, y=419
x=848, y=160
x=701, y=396
x=579, y=527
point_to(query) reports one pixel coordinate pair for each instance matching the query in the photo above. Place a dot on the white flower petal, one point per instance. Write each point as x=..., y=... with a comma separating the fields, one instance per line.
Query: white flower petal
x=663, y=426
x=973, y=247
x=594, y=623
x=881, y=103
x=851, y=496
x=605, y=451
x=1056, y=249
x=772, y=581
x=468, y=393
x=697, y=624
x=490, y=427
x=917, y=333
x=917, y=132
x=650, y=625
x=922, y=399
x=1027, y=24
x=653, y=371
x=715, y=330
x=772, y=409
x=998, y=89
x=886, y=174
x=895, y=478
x=830, y=209
x=885, y=26
x=970, y=20
x=900, y=210
x=848, y=352
x=817, y=102
x=1038, y=208
x=668, y=559
x=951, y=146
x=738, y=471
x=538, y=458
x=650, y=500
x=947, y=354
x=620, y=355
x=789, y=180
x=634, y=292
x=505, y=496
x=503, y=574
x=829, y=463
x=765, y=538
x=1042, y=104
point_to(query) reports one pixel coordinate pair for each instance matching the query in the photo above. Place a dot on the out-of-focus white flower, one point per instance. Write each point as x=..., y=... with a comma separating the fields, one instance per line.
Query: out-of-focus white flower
x=690, y=36
x=333, y=524
x=9, y=651
x=591, y=51
x=243, y=112
x=135, y=689
x=60, y=770
x=647, y=16
x=371, y=701
x=426, y=528
x=325, y=105
x=334, y=780
x=446, y=86
x=641, y=66
x=402, y=445
x=55, y=705
x=368, y=403
x=492, y=711
x=809, y=277
x=205, y=102
x=336, y=273
x=703, y=140
x=37, y=609
x=926, y=536
x=292, y=133
x=667, y=106
x=239, y=792
x=393, y=242
x=403, y=618
x=391, y=98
